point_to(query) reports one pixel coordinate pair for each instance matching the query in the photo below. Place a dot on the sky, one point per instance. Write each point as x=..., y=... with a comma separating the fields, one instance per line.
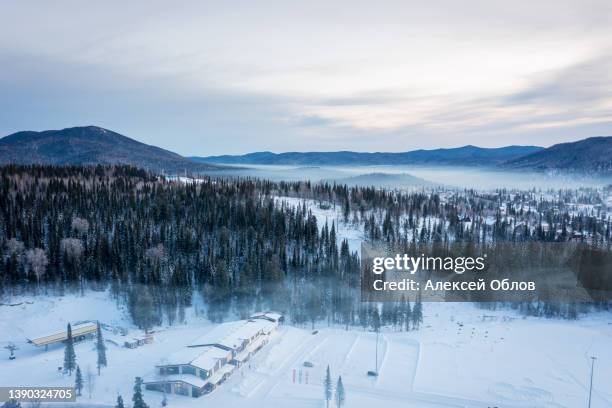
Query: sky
x=230, y=77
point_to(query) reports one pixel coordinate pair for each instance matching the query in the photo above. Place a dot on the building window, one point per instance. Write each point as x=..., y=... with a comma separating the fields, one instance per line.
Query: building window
x=181, y=389
x=188, y=370
x=169, y=370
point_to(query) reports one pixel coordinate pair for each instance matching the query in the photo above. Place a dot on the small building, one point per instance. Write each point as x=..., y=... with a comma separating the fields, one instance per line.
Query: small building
x=131, y=344
x=138, y=341
x=192, y=371
x=80, y=332
x=274, y=317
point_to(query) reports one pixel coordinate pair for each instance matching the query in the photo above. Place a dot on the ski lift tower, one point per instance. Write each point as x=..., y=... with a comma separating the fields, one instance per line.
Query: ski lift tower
x=11, y=347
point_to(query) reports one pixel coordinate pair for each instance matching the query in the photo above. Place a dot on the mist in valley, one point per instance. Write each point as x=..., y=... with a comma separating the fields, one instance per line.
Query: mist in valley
x=416, y=177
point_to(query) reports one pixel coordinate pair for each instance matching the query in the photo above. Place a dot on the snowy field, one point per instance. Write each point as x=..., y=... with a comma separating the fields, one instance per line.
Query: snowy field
x=353, y=233
x=461, y=357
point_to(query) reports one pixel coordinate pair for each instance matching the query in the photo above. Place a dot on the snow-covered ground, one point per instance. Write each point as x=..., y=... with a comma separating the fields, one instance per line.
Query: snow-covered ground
x=461, y=357
x=353, y=233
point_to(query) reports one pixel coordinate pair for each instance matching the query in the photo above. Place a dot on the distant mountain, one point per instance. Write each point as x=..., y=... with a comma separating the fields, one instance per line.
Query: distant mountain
x=591, y=156
x=386, y=180
x=90, y=145
x=460, y=156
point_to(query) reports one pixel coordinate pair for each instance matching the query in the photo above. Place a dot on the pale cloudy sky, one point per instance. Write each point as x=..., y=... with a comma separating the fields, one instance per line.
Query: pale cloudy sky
x=216, y=77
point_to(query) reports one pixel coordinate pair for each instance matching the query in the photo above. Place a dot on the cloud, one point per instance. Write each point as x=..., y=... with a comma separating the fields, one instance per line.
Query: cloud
x=232, y=77
x=311, y=121
x=587, y=82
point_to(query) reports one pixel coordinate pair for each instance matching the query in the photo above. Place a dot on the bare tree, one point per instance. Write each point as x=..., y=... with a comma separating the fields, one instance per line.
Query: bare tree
x=14, y=247
x=37, y=261
x=73, y=247
x=158, y=257
x=80, y=225
x=157, y=253
x=73, y=251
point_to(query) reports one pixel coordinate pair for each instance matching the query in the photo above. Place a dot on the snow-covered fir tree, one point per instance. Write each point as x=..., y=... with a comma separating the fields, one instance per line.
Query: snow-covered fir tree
x=137, y=397
x=78, y=381
x=327, y=387
x=340, y=395
x=69, y=353
x=100, y=348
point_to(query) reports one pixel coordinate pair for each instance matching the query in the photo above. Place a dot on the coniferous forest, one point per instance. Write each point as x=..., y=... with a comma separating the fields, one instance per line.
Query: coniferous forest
x=159, y=245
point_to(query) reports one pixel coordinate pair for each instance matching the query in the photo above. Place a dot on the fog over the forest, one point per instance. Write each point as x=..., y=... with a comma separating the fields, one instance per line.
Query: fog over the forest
x=409, y=177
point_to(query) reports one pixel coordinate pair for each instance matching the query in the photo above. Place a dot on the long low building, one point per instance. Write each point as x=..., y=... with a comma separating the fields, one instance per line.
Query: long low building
x=79, y=332
x=210, y=359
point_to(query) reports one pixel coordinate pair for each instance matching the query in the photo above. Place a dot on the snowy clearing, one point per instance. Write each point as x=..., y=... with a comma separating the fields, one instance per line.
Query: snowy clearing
x=353, y=233
x=461, y=357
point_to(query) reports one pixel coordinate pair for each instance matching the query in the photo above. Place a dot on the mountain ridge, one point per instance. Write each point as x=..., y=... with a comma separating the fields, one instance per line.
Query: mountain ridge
x=590, y=155
x=478, y=156
x=91, y=145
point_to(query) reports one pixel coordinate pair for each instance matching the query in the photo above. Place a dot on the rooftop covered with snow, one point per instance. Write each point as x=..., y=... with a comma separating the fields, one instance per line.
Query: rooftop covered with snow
x=232, y=334
x=77, y=330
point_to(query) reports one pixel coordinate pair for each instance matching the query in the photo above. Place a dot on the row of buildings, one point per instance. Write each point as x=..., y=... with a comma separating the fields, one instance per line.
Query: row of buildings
x=210, y=359
x=85, y=331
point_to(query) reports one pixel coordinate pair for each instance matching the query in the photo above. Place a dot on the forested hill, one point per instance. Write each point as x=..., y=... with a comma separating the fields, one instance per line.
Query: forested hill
x=460, y=156
x=156, y=244
x=90, y=145
x=592, y=155
x=235, y=245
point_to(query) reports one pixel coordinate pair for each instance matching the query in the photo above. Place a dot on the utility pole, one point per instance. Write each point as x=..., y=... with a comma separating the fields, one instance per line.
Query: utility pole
x=593, y=358
x=376, y=365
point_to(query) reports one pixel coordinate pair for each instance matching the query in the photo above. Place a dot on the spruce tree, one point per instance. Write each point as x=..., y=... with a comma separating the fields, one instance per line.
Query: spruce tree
x=417, y=312
x=408, y=315
x=101, y=347
x=137, y=398
x=327, y=387
x=69, y=354
x=11, y=404
x=340, y=395
x=119, y=402
x=78, y=381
